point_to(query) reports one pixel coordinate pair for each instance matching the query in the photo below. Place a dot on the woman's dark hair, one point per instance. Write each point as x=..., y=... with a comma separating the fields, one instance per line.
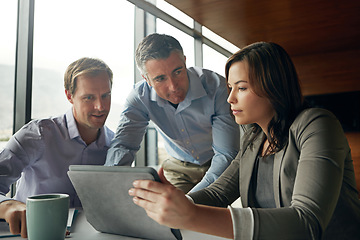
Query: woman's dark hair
x=272, y=75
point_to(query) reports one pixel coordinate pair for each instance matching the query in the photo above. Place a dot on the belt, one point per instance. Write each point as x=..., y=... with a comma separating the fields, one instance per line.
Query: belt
x=208, y=163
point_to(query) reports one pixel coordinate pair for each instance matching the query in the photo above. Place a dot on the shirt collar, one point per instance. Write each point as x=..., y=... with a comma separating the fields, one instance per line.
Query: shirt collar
x=196, y=88
x=102, y=139
x=71, y=124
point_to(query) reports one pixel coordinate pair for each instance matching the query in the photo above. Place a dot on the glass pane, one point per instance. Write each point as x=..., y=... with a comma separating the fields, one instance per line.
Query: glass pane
x=8, y=25
x=214, y=60
x=68, y=30
x=219, y=40
x=174, y=12
x=186, y=41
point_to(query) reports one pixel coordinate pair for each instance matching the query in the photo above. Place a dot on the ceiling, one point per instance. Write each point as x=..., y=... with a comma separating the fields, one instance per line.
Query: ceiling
x=301, y=27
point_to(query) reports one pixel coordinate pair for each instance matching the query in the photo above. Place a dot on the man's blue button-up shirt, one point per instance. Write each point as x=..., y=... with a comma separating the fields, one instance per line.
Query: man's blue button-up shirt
x=198, y=130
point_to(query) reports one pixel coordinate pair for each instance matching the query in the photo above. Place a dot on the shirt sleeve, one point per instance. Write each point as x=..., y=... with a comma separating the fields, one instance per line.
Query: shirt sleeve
x=23, y=148
x=132, y=126
x=226, y=139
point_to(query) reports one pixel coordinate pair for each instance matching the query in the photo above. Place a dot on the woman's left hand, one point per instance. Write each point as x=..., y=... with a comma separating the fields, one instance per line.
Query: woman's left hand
x=163, y=202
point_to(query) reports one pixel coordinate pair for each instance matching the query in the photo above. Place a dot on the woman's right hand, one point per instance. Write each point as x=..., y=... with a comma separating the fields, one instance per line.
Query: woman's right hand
x=163, y=202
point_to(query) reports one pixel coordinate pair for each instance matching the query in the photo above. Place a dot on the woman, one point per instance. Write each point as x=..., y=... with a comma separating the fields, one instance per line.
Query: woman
x=294, y=171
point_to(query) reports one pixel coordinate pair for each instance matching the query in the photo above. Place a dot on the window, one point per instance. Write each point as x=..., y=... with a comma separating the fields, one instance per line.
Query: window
x=214, y=60
x=176, y=13
x=219, y=40
x=66, y=31
x=8, y=21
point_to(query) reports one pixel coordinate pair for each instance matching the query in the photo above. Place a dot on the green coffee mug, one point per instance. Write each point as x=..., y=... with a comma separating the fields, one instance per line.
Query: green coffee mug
x=46, y=216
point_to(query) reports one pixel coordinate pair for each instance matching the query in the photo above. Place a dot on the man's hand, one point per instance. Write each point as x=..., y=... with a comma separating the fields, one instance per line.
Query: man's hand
x=14, y=213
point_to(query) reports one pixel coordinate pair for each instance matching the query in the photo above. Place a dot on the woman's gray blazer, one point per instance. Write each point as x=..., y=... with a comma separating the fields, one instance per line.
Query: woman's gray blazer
x=314, y=184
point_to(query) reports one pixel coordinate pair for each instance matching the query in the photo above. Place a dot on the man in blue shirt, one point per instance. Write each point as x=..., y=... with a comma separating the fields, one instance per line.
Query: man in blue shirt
x=40, y=153
x=189, y=110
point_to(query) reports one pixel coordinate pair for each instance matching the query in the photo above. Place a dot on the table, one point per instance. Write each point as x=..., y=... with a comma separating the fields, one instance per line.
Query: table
x=81, y=230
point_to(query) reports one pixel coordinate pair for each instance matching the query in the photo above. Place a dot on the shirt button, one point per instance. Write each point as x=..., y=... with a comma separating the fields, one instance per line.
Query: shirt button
x=187, y=142
x=192, y=151
x=182, y=130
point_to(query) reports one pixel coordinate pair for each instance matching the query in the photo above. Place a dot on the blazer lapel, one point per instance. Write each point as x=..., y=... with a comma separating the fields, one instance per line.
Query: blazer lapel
x=247, y=162
x=278, y=158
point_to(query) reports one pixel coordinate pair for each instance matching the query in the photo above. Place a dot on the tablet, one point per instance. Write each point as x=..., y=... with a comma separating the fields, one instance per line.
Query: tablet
x=103, y=192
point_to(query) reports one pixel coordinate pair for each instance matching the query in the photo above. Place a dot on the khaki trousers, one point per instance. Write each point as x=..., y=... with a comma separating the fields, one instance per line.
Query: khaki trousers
x=184, y=175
